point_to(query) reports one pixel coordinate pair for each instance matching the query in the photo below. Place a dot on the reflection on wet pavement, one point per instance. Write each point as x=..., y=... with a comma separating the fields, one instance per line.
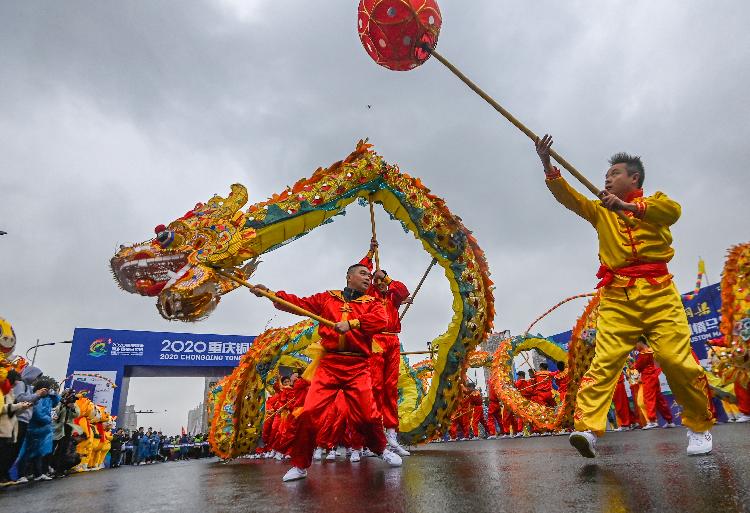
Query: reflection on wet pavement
x=638, y=471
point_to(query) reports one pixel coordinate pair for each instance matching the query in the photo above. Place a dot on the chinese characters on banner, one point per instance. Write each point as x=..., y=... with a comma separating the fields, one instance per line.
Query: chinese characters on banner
x=703, y=315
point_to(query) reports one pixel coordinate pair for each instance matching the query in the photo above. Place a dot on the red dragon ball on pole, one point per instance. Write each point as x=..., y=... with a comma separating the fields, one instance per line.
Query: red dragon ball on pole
x=395, y=32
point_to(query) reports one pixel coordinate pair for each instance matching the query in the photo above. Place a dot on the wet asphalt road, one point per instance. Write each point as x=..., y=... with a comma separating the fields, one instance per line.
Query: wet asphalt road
x=636, y=471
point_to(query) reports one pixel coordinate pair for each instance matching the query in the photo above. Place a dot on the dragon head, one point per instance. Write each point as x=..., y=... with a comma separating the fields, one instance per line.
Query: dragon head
x=178, y=266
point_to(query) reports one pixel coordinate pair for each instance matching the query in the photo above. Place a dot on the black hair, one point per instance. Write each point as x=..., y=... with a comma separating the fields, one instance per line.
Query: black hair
x=521, y=373
x=543, y=366
x=45, y=382
x=351, y=267
x=561, y=366
x=632, y=163
x=13, y=376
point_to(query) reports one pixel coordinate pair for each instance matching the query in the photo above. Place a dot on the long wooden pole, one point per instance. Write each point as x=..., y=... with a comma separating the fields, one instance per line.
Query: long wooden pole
x=523, y=128
x=273, y=297
x=417, y=352
x=424, y=276
x=374, y=235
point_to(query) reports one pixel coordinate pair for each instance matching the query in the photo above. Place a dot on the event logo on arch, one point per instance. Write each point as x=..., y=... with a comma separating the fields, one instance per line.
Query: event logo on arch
x=99, y=347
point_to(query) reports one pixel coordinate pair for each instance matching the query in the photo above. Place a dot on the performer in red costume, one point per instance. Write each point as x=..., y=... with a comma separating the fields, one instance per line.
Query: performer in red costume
x=268, y=433
x=386, y=358
x=461, y=416
x=652, y=396
x=625, y=416
x=510, y=423
x=525, y=387
x=742, y=393
x=477, y=410
x=562, y=378
x=296, y=398
x=344, y=366
x=494, y=413
x=543, y=386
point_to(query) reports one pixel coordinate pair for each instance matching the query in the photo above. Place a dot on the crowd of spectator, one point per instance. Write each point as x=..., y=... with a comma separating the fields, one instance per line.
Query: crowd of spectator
x=144, y=447
x=38, y=438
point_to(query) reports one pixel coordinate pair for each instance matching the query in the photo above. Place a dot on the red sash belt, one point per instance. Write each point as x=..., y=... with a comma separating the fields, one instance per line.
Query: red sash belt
x=648, y=271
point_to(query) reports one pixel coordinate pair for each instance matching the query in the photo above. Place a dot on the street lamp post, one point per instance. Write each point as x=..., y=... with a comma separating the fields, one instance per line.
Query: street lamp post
x=36, y=347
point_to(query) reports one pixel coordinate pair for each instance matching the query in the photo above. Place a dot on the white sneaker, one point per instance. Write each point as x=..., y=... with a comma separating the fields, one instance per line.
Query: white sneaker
x=392, y=439
x=391, y=458
x=294, y=473
x=699, y=443
x=331, y=456
x=21, y=480
x=668, y=425
x=650, y=425
x=367, y=453
x=318, y=454
x=278, y=456
x=43, y=477
x=355, y=456
x=491, y=437
x=743, y=418
x=584, y=442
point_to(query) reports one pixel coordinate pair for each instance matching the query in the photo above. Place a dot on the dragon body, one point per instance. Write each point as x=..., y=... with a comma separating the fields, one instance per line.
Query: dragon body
x=179, y=268
x=732, y=357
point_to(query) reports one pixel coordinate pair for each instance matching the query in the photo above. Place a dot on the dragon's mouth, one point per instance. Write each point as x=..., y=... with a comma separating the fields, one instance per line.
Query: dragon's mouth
x=145, y=271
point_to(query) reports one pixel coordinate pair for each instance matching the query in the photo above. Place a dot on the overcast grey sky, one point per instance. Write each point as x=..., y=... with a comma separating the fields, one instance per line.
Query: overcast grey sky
x=118, y=116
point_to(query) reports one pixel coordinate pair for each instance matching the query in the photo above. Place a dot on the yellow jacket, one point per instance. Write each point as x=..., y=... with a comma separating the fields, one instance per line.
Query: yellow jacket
x=649, y=241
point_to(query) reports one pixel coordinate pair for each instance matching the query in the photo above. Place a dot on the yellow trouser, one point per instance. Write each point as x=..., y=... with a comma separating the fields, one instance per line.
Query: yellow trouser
x=730, y=409
x=655, y=311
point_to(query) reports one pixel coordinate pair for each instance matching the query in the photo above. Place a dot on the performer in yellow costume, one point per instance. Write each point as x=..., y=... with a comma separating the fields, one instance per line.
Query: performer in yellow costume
x=84, y=427
x=637, y=298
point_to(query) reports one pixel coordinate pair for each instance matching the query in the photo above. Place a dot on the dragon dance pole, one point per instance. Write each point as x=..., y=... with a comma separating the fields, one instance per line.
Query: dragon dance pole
x=523, y=128
x=402, y=34
x=374, y=235
x=424, y=276
x=273, y=297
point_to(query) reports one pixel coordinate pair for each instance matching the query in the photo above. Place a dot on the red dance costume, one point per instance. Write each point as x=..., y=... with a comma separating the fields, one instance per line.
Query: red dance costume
x=527, y=391
x=461, y=416
x=562, y=378
x=652, y=397
x=477, y=413
x=295, y=400
x=337, y=429
x=268, y=432
x=494, y=412
x=625, y=416
x=385, y=363
x=343, y=367
x=543, y=388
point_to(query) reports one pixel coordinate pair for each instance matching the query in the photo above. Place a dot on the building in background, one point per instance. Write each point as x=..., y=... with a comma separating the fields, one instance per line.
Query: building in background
x=196, y=420
x=198, y=417
x=128, y=419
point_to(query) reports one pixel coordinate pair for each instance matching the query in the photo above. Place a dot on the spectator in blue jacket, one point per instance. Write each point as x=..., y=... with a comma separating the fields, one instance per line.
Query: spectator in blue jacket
x=37, y=444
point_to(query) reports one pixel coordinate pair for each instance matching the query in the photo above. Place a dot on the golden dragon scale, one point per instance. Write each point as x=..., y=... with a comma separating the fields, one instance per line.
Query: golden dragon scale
x=732, y=361
x=178, y=266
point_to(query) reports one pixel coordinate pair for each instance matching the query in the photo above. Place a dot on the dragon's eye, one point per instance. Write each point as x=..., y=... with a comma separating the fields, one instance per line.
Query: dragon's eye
x=164, y=238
